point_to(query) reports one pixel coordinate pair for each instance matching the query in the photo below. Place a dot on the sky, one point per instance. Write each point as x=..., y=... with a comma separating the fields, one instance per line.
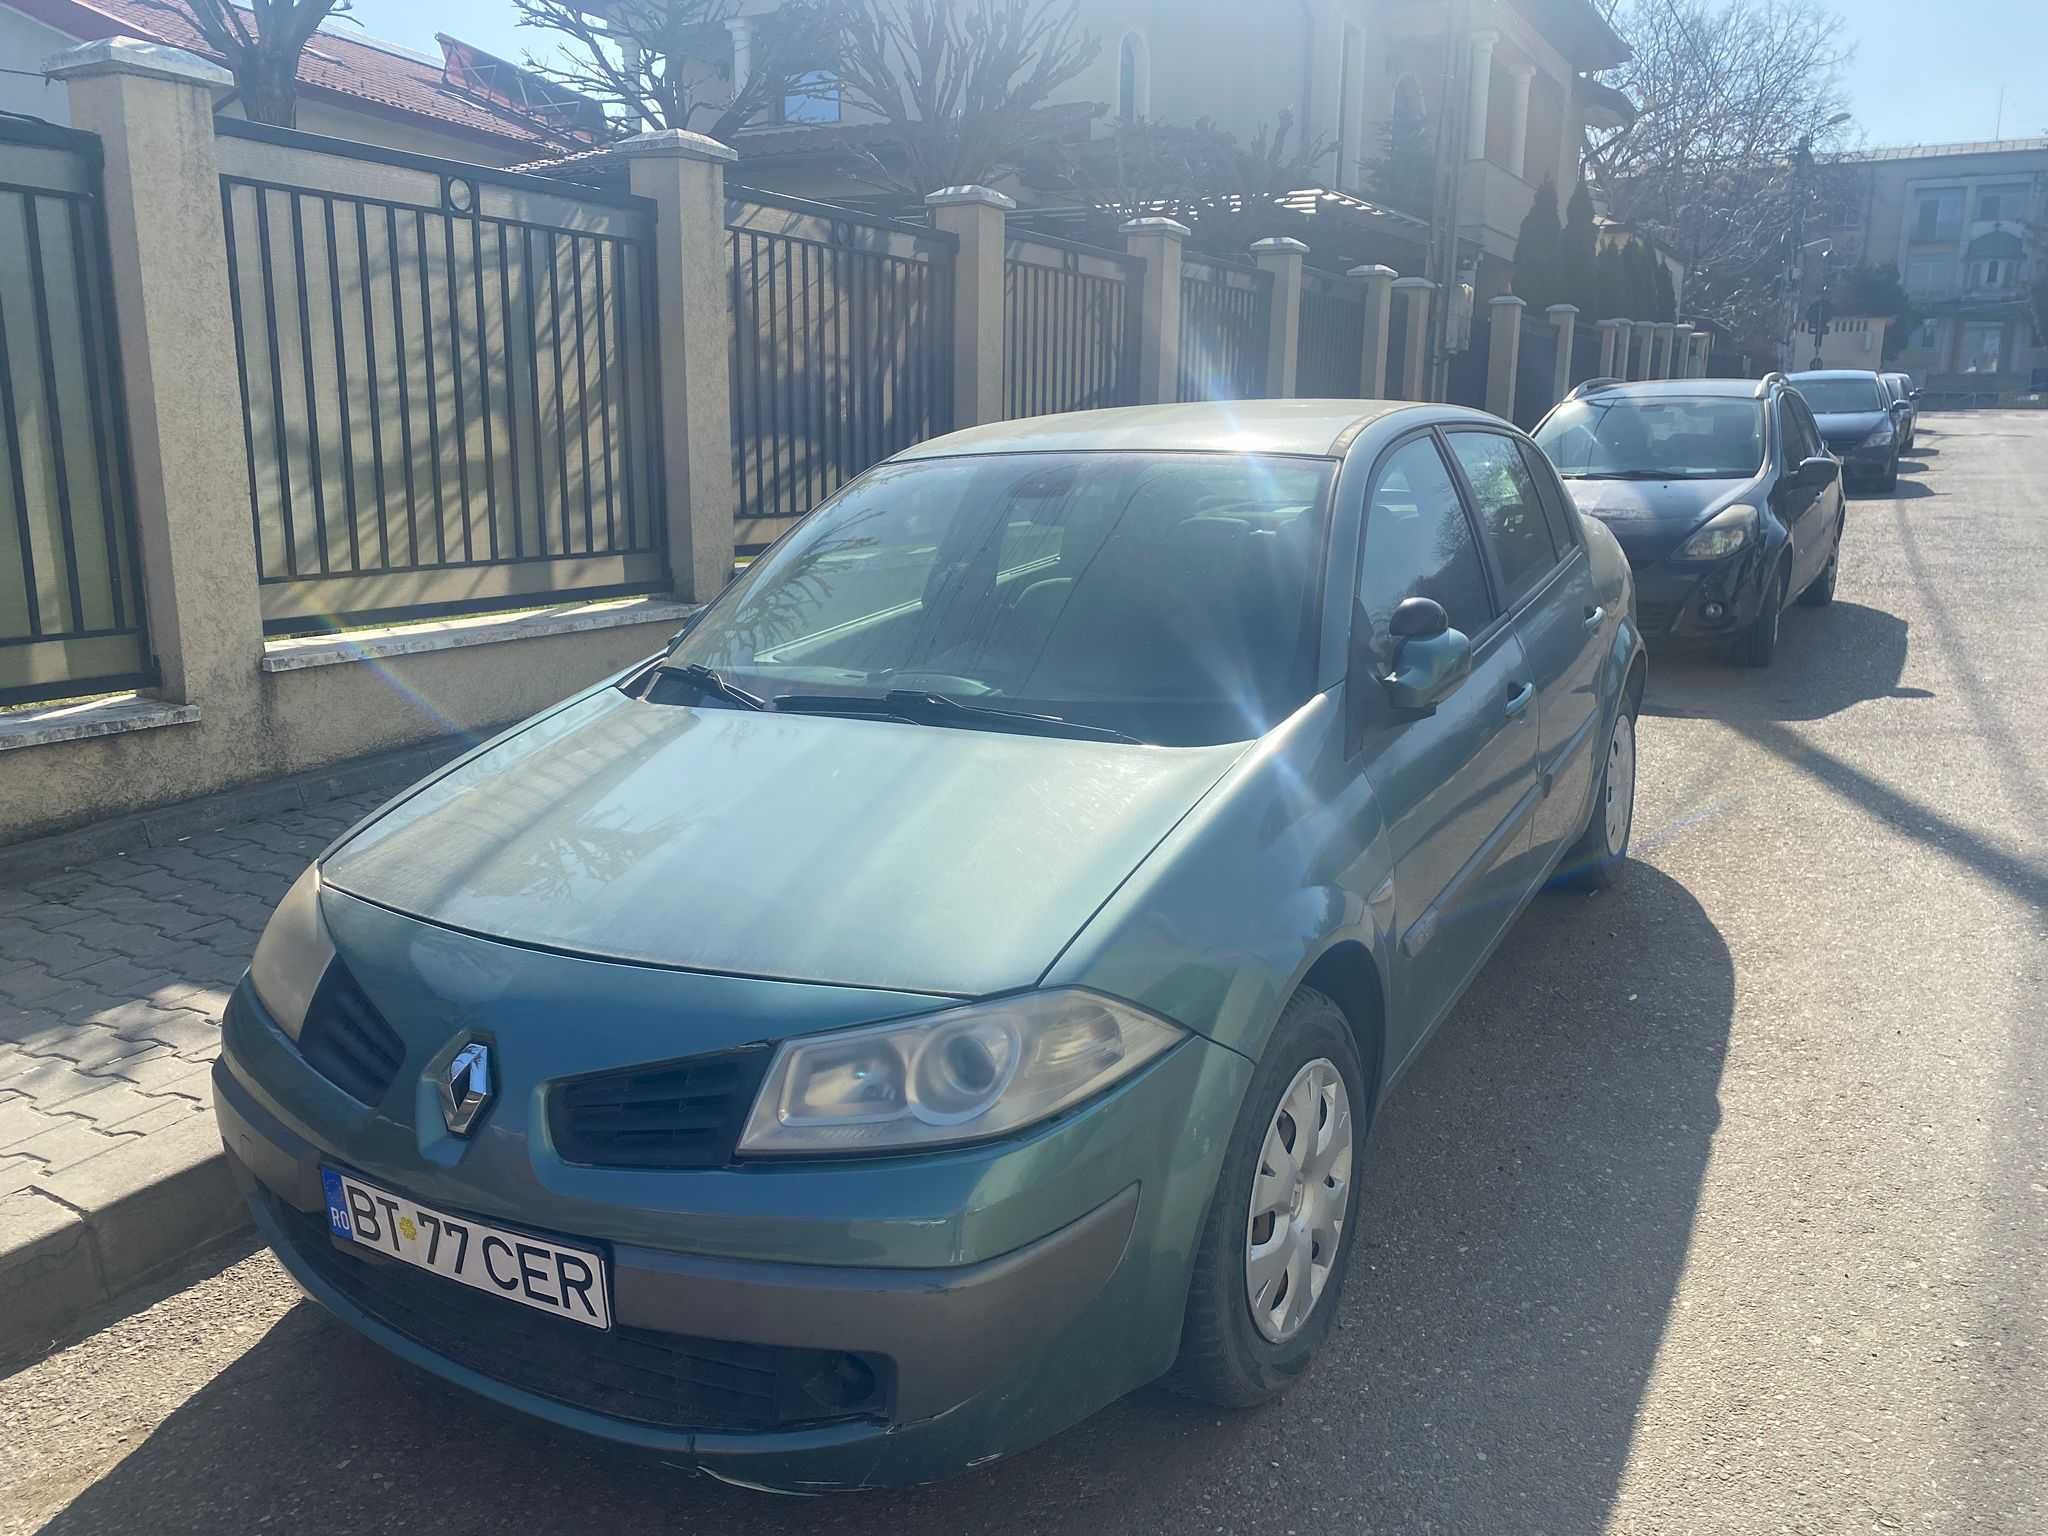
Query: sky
x=1925, y=71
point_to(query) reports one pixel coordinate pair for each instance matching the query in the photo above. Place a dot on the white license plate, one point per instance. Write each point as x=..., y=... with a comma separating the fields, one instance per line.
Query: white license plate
x=533, y=1271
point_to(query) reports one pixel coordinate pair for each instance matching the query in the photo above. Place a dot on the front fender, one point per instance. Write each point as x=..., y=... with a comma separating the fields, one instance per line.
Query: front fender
x=1277, y=866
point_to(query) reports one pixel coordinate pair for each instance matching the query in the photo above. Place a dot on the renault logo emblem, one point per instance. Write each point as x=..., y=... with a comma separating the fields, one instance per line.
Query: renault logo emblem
x=466, y=1087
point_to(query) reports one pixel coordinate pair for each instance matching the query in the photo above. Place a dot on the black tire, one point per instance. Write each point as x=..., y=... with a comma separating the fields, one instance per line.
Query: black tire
x=1593, y=863
x=1758, y=644
x=1890, y=479
x=1821, y=590
x=1224, y=1359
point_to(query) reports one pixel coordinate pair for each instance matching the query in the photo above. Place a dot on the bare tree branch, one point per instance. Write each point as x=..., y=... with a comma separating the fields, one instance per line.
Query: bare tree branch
x=260, y=47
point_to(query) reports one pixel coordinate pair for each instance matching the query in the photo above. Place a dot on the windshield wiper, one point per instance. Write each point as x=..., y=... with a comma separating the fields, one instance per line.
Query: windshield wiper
x=918, y=707
x=713, y=681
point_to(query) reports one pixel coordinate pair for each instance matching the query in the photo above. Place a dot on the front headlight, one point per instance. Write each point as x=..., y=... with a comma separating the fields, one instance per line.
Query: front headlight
x=1730, y=531
x=293, y=953
x=965, y=1074
x=1878, y=439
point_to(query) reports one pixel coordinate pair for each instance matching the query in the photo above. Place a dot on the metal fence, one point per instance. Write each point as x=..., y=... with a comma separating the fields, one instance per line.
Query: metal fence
x=448, y=381
x=70, y=589
x=841, y=349
x=1225, y=310
x=1070, y=330
x=1332, y=349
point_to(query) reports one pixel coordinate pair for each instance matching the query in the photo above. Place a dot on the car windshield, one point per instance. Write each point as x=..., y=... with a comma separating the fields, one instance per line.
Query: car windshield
x=1840, y=397
x=1615, y=436
x=1172, y=598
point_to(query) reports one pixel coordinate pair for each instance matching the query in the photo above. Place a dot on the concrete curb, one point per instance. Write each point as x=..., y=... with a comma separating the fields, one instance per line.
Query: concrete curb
x=87, y=1236
x=386, y=772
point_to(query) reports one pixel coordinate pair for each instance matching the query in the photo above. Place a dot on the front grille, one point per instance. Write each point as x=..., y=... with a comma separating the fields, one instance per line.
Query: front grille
x=347, y=1041
x=665, y=1379
x=1656, y=618
x=678, y=1114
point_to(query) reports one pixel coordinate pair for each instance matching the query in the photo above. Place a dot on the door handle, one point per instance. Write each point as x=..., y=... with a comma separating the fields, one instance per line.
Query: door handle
x=1518, y=701
x=1594, y=615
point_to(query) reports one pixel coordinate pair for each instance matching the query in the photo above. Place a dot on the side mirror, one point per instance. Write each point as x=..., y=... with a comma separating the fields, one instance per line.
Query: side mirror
x=1913, y=393
x=1418, y=618
x=1816, y=471
x=1427, y=667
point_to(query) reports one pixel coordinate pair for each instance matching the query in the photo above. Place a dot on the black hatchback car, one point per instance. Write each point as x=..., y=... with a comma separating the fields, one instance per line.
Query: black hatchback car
x=1718, y=490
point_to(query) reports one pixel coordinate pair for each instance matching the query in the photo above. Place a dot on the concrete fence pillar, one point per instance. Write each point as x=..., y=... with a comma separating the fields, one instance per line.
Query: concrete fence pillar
x=1379, y=303
x=1415, y=343
x=978, y=217
x=1660, y=365
x=684, y=174
x=1564, y=320
x=1607, y=329
x=1702, y=349
x=1503, y=353
x=1282, y=256
x=1681, y=351
x=1624, y=342
x=152, y=107
x=1159, y=242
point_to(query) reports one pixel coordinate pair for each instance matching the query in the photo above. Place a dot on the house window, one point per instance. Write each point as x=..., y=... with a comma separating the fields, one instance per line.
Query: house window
x=813, y=98
x=1927, y=336
x=1983, y=346
x=1940, y=215
x=1133, y=80
x=1929, y=274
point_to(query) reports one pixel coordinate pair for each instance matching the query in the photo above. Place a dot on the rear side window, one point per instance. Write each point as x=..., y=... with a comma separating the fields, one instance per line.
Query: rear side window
x=1557, y=507
x=1419, y=543
x=1511, y=518
x=1802, y=437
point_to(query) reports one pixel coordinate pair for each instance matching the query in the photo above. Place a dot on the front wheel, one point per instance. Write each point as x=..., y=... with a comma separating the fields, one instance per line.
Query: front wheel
x=1759, y=643
x=1594, y=861
x=1890, y=480
x=1821, y=591
x=1270, y=1263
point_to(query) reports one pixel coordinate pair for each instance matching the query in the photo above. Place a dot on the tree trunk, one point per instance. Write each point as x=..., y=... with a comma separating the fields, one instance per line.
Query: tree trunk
x=268, y=87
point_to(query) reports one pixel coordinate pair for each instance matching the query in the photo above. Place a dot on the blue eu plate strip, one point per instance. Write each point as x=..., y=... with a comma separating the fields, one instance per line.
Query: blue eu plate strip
x=337, y=1204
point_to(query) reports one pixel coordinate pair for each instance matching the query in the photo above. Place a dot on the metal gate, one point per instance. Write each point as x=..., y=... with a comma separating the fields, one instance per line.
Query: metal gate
x=70, y=591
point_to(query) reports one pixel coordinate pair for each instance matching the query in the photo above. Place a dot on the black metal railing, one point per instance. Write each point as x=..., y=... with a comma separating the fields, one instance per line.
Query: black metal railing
x=71, y=618
x=1331, y=361
x=1225, y=310
x=841, y=349
x=449, y=389
x=1070, y=330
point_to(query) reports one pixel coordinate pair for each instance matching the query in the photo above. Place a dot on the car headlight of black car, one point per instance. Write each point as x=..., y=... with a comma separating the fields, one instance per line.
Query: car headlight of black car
x=293, y=954
x=963, y=1074
x=1881, y=438
x=1728, y=532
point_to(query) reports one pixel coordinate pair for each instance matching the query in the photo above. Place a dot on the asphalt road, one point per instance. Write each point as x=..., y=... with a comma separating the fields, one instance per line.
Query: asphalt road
x=1720, y=1206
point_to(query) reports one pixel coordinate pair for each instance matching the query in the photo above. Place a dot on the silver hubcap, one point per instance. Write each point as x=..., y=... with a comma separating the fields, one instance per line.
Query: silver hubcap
x=1299, y=1195
x=1621, y=785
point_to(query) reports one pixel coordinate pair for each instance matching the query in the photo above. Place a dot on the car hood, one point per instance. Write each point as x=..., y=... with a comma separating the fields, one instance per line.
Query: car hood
x=1848, y=428
x=864, y=853
x=1650, y=518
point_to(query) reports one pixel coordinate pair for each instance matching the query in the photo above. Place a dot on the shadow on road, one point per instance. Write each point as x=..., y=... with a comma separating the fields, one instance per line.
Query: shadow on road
x=1532, y=1192
x=1829, y=659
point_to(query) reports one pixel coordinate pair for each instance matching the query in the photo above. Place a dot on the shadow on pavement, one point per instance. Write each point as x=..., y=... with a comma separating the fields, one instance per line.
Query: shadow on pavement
x=1829, y=659
x=1532, y=1192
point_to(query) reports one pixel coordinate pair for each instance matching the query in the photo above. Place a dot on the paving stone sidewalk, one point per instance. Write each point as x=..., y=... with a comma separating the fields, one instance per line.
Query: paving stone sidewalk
x=113, y=976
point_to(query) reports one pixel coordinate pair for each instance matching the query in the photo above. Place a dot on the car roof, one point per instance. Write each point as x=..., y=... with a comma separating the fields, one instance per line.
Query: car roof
x=1833, y=373
x=1716, y=389
x=1323, y=428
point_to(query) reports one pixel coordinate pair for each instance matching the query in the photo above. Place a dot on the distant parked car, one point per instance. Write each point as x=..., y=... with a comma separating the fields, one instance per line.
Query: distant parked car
x=1905, y=393
x=950, y=987
x=1718, y=491
x=1854, y=411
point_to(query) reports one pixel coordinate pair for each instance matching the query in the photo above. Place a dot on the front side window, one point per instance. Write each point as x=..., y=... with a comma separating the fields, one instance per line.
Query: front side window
x=1418, y=543
x=1802, y=434
x=1848, y=396
x=1171, y=597
x=1510, y=514
x=1614, y=436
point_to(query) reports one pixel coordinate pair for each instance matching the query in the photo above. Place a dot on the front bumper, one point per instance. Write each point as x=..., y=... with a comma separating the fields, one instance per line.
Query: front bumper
x=949, y=1365
x=1869, y=462
x=1696, y=601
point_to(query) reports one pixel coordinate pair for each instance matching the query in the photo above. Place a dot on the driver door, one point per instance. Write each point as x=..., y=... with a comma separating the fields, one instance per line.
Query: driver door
x=1456, y=785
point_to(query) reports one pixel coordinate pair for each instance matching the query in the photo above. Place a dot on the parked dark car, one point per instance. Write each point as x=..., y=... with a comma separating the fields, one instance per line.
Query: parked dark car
x=952, y=985
x=1853, y=409
x=1905, y=409
x=1718, y=491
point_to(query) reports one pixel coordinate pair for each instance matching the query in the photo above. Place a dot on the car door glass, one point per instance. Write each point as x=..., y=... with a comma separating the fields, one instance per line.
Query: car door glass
x=1802, y=440
x=1511, y=516
x=1419, y=543
x=1557, y=507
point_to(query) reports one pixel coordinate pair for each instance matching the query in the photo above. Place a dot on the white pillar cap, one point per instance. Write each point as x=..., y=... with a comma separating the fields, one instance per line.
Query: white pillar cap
x=675, y=143
x=1557, y=310
x=1172, y=228
x=1374, y=271
x=1280, y=243
x=1414, y=283
x=133, y=56
x=969, y=197
x=1508, y=298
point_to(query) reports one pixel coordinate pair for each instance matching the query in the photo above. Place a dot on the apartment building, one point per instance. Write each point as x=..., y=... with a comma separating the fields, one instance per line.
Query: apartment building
x=1967, y=227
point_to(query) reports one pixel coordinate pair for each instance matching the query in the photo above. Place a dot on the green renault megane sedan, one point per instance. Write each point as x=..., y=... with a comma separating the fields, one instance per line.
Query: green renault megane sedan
x=951, y=985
